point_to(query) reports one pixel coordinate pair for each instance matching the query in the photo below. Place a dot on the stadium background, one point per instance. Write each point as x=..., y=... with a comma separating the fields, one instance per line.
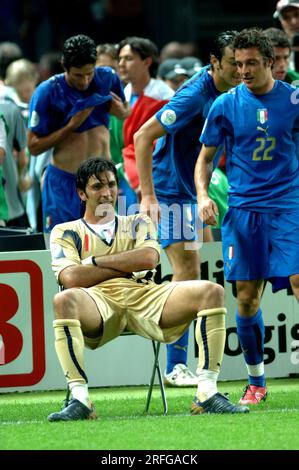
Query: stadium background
x=39, y=26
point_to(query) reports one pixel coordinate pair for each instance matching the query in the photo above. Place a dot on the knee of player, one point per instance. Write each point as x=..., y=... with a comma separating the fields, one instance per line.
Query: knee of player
x=215, y=295
x=247, y=302
x=65, y=304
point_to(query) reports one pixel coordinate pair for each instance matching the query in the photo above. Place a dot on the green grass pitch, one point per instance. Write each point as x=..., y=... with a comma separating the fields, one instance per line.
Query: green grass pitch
x=122, y=424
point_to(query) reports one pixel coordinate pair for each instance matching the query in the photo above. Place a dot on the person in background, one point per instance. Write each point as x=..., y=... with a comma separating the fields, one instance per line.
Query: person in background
x=22, y=76
x=9, y=51
x=167, y=178
x=172, y=50
x=138, y=62
x=48, y=65
x=192, y=65
x=287, y=13
x=21, y=80
x=282, y=52
x=15, y=165
x=70, y=113
x=173, y=73
x=177, y=50
x=107, y=56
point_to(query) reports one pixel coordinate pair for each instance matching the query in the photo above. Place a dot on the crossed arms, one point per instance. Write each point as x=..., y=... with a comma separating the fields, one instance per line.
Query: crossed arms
x=109, y=267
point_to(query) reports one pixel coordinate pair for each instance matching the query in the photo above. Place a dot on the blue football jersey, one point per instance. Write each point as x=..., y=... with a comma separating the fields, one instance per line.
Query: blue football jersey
x=260, y=134
x=176, y=153
x=54, y=102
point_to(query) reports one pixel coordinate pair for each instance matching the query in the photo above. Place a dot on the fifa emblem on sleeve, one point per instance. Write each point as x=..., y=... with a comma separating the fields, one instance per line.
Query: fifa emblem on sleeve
x=168, y=117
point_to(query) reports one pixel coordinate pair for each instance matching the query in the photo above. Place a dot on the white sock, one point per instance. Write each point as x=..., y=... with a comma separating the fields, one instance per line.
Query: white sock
x=80, y=392
x=207, y=384
x=256, y=370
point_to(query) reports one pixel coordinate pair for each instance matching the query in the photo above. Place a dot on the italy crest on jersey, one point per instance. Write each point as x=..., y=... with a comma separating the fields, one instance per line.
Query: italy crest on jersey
x=262, y=115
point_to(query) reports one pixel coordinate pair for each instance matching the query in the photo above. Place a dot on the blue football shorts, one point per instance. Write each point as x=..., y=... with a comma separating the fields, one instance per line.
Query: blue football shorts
x=260, y=246
x=179, y=222
x=60, y=199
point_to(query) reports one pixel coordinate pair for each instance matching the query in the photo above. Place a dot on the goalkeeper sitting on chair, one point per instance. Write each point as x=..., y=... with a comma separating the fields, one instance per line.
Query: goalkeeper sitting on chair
x=105, y=264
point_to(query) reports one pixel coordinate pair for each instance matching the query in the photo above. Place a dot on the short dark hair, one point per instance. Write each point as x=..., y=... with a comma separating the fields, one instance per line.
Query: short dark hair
x=223, y=40
x=78, y=51
x=144, y=48
x=278, y=37
x=255, y=37
x=93, y=167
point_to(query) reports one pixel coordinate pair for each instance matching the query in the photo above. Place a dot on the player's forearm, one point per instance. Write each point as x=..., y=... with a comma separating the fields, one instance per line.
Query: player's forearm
x=121, y=110
x=144, y=140
x=38, y=145
x=203, y=173
x=125, y=110
x=203, y=170
x=144, y=161
x=138, y=259
x=87, y=276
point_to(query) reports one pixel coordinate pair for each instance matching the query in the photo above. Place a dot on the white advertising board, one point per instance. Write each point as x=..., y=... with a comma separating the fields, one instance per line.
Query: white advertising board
x=27, y=356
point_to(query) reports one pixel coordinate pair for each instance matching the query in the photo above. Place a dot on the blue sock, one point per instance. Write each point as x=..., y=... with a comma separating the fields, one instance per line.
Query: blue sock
x=251, y=333
x=177, y=352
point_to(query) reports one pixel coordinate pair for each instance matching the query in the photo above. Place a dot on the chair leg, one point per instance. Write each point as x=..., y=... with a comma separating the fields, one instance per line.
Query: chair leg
x=156, y=368
x=67, y=397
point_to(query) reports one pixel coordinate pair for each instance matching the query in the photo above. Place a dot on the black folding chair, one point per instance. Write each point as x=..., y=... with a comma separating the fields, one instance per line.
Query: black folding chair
x=156, y=369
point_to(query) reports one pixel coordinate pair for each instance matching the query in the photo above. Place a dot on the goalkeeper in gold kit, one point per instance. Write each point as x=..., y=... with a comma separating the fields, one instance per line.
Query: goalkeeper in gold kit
x=105, y=264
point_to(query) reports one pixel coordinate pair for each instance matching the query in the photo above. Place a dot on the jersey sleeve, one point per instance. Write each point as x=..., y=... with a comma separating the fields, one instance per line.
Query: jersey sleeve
x=144, y=232
x=64, y=248
x=117, y=86
x=40, y=116
x=213, y=131
x=181, y=109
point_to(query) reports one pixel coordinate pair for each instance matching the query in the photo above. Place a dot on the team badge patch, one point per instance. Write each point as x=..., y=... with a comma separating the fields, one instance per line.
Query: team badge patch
x=168, y=117
x=262, y=115
x=34, y=120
